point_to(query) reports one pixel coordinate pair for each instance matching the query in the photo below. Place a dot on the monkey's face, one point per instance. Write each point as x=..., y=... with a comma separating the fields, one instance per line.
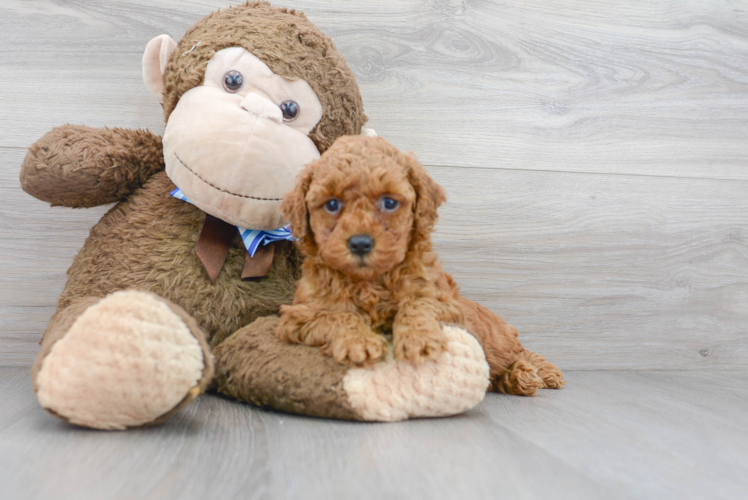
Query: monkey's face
x=235, y=144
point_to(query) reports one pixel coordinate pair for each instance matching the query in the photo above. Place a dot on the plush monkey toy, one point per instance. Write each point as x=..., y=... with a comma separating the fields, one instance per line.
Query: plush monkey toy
x=178, y=286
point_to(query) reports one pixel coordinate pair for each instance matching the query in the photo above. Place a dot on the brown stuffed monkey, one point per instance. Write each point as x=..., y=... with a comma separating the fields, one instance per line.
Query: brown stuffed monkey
x=179, y=285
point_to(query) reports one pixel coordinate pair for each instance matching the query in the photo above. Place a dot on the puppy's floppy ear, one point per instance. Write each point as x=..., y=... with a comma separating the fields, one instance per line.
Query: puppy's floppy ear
x=294, y=209
x=429, y=195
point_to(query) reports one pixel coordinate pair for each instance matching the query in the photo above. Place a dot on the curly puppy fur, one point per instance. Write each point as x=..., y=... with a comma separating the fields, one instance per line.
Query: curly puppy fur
x=345, y=301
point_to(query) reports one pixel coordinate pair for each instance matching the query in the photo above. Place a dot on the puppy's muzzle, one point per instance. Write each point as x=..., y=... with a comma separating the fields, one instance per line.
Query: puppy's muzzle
x=360, y=244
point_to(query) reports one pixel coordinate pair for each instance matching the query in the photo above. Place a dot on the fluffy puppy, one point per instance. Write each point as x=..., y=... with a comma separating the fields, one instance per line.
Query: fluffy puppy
x=362, y=215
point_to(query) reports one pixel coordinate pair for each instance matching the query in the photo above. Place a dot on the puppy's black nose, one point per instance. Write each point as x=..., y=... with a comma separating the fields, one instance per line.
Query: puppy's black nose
x=360, y=244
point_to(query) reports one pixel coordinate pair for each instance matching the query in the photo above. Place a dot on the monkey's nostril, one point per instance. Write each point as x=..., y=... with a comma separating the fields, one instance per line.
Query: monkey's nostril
x=360, y=244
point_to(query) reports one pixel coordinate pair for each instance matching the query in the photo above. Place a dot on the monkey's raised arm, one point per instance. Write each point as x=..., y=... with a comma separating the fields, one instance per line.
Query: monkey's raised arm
x=77, y=166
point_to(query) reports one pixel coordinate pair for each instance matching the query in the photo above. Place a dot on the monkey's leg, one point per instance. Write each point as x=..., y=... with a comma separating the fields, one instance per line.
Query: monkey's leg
x=514, y=370
x=255, y=366
x=127, y=360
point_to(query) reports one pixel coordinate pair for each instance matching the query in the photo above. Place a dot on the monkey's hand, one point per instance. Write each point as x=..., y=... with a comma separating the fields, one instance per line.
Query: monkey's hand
x=77, y=166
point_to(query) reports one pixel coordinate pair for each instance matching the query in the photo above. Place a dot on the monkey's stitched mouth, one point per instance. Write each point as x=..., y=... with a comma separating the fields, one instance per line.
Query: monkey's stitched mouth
x=220, y=188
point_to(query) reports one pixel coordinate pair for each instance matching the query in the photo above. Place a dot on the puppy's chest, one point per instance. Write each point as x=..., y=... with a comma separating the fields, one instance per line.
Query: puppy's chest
x=378, y=303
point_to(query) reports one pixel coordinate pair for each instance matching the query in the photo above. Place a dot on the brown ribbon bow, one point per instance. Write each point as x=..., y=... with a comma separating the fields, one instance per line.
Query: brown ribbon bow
x=214, y=244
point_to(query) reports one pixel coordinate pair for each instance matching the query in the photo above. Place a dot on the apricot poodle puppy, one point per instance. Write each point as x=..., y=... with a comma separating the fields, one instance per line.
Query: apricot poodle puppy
x=362, y=215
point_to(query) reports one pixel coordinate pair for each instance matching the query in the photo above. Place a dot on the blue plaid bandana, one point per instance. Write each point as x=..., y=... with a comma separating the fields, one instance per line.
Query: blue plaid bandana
x=252, y=238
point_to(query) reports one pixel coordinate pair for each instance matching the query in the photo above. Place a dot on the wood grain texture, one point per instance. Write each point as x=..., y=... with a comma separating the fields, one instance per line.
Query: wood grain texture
x=37, y=246
x=595, y=155
x=652, y=88
x=601, y=271
x=657, y=435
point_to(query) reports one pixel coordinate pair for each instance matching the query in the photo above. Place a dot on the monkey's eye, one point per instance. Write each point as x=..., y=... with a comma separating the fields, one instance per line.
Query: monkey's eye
x=333, y=206
x=290, y=110
x=233, y=81
x=388, y=204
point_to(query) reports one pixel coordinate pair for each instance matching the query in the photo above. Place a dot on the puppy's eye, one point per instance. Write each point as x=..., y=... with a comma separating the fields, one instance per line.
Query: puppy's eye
x=388, y=204
x=333, y=206
x=290, y=110
x=233, y=81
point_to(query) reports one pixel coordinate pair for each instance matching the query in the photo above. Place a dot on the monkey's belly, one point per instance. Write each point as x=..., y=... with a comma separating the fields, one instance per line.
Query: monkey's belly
x=147, y=242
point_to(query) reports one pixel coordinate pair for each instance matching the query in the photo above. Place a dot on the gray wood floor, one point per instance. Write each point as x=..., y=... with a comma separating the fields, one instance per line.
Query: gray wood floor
x=609, y=434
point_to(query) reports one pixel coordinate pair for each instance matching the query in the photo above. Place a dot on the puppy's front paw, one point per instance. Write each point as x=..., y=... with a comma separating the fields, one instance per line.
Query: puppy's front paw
x=358, y=350
x=419, y=346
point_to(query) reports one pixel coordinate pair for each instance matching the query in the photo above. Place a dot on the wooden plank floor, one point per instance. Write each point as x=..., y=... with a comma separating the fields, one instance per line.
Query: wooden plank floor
x=609, y=434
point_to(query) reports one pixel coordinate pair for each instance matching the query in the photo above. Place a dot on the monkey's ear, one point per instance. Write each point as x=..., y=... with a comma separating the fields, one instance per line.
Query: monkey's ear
x=294, y=210
x=156, y=55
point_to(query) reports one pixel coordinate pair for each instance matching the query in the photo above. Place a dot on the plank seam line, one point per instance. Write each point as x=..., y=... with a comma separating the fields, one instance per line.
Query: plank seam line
x=431, y=165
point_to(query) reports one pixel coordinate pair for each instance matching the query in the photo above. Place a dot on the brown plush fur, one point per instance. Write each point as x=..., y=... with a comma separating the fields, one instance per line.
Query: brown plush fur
x=289, y=44
x=255, y=366
x=147, y=241
x=345, y=301
x=76, y=166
